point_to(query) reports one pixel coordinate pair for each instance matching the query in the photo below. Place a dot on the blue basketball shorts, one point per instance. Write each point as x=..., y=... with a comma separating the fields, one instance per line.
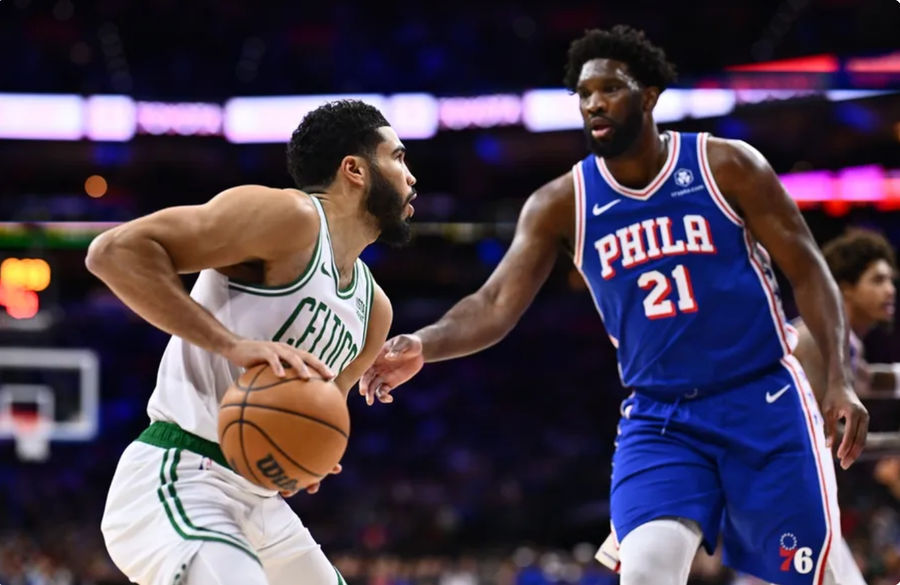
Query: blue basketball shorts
x=748, y=462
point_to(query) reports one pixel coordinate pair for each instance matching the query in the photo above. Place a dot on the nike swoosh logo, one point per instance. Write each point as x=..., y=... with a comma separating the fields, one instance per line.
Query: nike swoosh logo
x=325, y=272
x=600, y=209
x=770, y=398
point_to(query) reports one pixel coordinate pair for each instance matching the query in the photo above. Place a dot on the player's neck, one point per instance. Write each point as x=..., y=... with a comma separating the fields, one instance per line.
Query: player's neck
x=350, y=232
x=640, y=164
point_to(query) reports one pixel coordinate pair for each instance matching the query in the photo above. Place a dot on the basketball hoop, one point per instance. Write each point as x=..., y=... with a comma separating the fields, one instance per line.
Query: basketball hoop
x=32, y=435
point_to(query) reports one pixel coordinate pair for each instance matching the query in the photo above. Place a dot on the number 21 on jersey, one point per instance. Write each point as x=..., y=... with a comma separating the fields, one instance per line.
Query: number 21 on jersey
x=657, y=304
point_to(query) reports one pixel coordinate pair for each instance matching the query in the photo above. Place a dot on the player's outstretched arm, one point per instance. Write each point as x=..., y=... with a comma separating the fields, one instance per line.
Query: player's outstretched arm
x=485, y=317
x=751, y=186
x=140, y=261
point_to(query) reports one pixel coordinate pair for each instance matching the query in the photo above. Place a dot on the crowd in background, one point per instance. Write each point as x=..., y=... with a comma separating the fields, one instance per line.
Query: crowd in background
x=162, y=49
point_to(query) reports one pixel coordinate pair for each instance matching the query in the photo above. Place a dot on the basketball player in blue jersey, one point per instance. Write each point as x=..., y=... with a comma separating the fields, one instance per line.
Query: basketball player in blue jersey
x=863, y=265
x=673, y=234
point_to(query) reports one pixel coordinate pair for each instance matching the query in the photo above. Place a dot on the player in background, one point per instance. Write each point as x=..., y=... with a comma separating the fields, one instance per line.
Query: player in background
x=863, y=264
x=280, y=283
x=672, y=233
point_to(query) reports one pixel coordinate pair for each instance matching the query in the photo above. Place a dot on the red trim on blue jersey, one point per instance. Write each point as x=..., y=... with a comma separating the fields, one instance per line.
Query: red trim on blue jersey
x=811, y=429
x=770, y=295
x=578, y=180
x=731, y=214
x=711, y=184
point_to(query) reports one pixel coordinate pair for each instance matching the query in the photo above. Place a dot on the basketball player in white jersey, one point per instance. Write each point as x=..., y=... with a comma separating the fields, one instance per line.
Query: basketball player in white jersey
x=280, y=283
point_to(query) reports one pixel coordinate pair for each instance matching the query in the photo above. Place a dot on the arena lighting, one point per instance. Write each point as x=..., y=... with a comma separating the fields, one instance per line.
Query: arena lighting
x=273, y=119
x=413, y=115
x=838, y=191
x=26, y=273
x=110, y=118
x=485, y=111
x=827, y=63
x=811, y=64
x=889, y=63
x=835, y=191
x=41, y=116
x=20, y=281
x=184, y=119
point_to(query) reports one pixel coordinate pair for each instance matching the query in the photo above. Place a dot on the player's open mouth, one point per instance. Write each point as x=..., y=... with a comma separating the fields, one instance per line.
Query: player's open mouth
x=412, y=210
x=600, y=128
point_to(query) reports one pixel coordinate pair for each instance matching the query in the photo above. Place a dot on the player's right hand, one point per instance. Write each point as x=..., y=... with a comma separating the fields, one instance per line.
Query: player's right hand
x=400, y=359
x=248, y=352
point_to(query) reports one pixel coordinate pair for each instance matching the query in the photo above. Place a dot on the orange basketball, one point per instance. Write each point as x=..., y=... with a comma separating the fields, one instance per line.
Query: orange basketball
x=283, y=433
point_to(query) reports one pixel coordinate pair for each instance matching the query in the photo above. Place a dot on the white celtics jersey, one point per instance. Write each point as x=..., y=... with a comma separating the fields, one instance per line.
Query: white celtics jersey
x=311, y=313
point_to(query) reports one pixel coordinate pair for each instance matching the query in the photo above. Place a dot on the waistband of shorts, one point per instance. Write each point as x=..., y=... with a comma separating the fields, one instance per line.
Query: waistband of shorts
x=673, y=394
x=169, y=435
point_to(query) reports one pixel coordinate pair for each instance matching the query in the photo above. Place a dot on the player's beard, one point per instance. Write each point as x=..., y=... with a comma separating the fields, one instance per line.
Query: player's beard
x=386, y=204
x=624, y=133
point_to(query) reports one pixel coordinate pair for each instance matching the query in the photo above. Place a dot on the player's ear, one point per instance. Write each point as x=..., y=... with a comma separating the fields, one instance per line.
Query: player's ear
x=650, y=97
x=354, y=169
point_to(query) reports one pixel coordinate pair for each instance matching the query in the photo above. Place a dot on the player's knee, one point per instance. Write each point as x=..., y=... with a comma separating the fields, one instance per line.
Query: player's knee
x=659, y=553
x=220, y=564
x=655, y=567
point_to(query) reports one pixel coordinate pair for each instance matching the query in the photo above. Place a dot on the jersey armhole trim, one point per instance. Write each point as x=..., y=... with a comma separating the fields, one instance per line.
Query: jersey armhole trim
x=710, y=181
x=370, y=283
x=578, y=180
x=297, y=283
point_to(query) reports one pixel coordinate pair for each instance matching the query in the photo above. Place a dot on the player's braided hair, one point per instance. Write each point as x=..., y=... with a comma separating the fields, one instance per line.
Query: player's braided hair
x=645, y=61
x=326, y=135
x=849, y=255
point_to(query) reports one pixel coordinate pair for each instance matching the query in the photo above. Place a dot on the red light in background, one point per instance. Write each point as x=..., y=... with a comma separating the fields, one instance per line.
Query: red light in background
x=889, y=63
x=811, y=64
x=19, y=302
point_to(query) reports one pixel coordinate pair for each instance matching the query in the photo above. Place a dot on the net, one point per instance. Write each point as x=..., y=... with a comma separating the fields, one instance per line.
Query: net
x=32, y=435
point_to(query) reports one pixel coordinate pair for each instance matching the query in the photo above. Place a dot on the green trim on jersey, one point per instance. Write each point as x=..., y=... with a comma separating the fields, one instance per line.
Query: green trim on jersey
x=169, y=435
x=335, y=275
x=188, y=530
x=351, y=288
x=339, y=576
x=297, y=283
x=370, y=283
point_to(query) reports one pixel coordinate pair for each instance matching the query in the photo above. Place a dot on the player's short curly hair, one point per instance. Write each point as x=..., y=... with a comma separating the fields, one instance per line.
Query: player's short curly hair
x=326, y=135
x=645, y=61
x=849, y=255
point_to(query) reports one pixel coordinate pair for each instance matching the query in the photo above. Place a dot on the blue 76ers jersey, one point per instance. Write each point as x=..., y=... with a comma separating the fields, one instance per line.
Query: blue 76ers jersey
x=687, y=295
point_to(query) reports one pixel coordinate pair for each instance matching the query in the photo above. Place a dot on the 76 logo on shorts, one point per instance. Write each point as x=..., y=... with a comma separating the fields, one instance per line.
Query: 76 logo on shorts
x=800, y=558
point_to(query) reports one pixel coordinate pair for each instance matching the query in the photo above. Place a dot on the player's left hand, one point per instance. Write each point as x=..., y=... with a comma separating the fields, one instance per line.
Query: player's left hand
x=313, y=488
x=841, y=402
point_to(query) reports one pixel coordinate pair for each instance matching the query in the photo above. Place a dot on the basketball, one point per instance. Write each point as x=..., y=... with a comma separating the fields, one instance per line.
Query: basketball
x=283, y=433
